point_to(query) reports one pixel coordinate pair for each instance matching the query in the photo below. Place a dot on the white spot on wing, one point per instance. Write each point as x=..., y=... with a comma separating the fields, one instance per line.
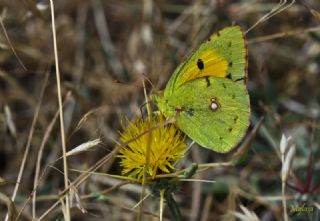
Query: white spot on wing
x=214, y=105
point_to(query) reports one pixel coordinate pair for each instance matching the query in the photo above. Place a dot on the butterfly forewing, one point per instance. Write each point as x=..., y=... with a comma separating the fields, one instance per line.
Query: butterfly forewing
x=222, y=55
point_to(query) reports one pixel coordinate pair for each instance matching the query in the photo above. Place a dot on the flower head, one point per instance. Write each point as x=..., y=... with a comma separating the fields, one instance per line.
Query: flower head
x=163, y=146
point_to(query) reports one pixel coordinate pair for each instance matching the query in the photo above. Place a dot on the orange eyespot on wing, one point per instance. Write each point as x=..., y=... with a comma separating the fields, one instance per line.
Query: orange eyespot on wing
x=209, y=64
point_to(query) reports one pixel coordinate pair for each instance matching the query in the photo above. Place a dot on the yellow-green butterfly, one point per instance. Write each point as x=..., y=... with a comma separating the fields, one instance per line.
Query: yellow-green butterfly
x=207, y=93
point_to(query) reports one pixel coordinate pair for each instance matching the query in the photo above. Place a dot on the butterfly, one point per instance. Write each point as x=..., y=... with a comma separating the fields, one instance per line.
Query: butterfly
x=207, y=93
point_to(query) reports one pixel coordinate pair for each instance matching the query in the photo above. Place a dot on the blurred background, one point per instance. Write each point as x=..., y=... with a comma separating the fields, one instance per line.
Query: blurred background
x=106, y=49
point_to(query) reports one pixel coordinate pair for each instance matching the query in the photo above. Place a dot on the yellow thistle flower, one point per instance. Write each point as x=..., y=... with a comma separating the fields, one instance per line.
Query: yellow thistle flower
x=166, y=146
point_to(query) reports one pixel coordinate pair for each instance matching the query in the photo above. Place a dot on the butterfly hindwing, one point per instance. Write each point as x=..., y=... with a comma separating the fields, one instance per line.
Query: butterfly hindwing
x=212, y=111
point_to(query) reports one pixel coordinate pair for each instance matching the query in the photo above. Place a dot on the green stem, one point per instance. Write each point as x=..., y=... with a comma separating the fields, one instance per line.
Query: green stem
x=173, y=207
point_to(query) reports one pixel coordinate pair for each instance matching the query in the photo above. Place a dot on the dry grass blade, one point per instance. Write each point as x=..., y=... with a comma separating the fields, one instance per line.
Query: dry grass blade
x=39, y=157
x=9, y=121
x=83, y=147
x=10, y=206
x=245, y=214
x=76, y=199
x=63, y=139
x=32, y=6
x=286, y=159
x=282, y=35
x=9, y=42
x=276, y=10
x=315, y=13
x=20, y=91
x=287, y=163
x=3, y=181
x=79, y=180
x=27, y=148
x=283, y=144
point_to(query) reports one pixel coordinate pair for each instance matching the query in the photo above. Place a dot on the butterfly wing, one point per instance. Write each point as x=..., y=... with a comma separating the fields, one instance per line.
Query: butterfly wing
x=222, y=55
x=208, y=94
x=213, y=111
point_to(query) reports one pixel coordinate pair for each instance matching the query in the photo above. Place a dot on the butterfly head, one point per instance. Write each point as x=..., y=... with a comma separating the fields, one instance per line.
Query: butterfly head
x=162, y=103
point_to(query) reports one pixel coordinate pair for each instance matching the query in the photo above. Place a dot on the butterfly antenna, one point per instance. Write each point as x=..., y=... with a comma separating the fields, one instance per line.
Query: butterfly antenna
x=281, y=6
x=125, y=83
x=149, y=81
